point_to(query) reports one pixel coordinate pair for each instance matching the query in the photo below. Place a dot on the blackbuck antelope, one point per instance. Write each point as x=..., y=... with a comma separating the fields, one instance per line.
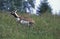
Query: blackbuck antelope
x=23, y=20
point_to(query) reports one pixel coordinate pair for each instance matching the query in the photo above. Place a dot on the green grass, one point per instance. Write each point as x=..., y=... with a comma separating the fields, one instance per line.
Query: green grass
x=46, y=27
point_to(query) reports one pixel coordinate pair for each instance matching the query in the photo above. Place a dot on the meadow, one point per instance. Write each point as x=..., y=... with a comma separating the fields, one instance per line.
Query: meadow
x=46, y=26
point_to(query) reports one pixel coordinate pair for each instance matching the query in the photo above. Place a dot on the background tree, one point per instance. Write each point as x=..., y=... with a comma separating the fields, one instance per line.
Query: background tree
x=31, y=2
x=44, y=7
x=1, y=4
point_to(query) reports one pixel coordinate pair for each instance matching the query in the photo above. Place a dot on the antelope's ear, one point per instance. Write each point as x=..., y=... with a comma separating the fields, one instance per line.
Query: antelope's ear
x=15, y=11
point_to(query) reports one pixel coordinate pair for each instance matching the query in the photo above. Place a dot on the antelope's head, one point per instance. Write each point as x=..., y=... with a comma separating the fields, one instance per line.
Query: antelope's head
x=14, y=13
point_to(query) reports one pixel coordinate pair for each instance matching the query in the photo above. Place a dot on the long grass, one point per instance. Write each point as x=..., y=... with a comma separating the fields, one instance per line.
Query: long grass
x=46, y=27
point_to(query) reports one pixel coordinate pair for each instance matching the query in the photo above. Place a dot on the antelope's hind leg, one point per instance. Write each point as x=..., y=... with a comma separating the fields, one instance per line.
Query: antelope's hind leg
x=30, y=24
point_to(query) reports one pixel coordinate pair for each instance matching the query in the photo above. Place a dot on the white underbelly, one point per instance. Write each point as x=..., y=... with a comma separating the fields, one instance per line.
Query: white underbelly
x=24, y=22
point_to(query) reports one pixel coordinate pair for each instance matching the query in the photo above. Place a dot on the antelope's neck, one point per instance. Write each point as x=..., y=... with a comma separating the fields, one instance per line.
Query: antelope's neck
x=15, y=15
